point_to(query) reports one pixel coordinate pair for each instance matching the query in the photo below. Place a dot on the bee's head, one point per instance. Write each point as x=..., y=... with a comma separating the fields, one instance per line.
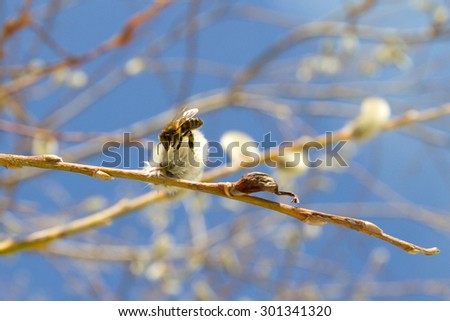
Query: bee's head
x=166, y=135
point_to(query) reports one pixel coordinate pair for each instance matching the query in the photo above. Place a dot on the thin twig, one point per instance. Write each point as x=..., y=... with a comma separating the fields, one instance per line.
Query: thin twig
x=43, y=237
x=122, y=38
x=329, y=29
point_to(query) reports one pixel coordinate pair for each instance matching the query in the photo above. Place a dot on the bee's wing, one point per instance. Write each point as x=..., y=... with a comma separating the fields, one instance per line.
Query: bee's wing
x=185, y=113
x=190, y=113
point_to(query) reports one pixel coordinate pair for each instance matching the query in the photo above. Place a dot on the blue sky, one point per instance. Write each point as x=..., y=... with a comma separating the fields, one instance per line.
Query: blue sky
x=390, y=177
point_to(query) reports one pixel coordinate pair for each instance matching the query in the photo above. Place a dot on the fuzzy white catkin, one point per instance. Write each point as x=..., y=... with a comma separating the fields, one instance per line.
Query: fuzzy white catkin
x=289, y=167
x=240, y=147
x=42, y=145
x=134, y=66
x=77, y=79
x=374, y=114
x=292, y=163
x=193, y=160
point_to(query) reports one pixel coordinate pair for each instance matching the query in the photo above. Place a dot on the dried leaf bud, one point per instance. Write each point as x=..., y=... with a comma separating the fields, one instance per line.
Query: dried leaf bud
x=258, y=182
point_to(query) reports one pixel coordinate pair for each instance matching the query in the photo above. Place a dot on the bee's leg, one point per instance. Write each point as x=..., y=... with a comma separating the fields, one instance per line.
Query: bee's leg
x=191, y=140
x=179, y=142
x=176, y=141
x=181, y=136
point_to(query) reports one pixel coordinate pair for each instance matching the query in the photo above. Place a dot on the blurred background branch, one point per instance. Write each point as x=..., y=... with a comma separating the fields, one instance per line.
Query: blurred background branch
x=76, y=75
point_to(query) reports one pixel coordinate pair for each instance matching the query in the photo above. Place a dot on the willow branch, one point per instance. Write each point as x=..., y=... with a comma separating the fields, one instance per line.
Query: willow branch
x=123, y=38
x=43, y=237
x=304, y=143
x=330, y=29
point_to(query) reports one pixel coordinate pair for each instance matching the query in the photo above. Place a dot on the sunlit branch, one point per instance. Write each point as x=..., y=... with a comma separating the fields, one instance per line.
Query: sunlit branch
x=124, y=206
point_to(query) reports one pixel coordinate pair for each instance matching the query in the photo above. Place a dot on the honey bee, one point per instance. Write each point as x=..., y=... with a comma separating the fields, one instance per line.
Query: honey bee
x=172, y=135
x=182, y=149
